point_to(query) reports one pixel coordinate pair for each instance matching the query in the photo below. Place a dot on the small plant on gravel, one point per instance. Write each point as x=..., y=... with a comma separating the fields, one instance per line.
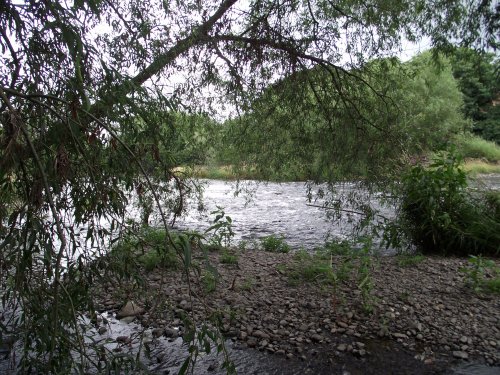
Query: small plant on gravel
x=492, y=285
x=338, y=248
x=208, y=281
x=410, y=260
x=364, y=275
x=311, y=268
x=476, y=274
x=221, y=230
x=274, y=244
x=155, y=259
x=228, y=257
x=247, y=284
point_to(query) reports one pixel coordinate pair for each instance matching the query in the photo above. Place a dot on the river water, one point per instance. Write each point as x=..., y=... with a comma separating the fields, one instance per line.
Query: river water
x=281, y=209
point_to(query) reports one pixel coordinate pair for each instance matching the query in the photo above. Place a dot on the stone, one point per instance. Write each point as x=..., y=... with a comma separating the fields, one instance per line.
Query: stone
x=123, y=339
x=317, y=337
x=157, y=332
x=342, y=347
x=260, y=334
x=130, y=309
x=400, y=335
x=171, y=333
x=102, y=330
x=460, y=354
x=127, y=319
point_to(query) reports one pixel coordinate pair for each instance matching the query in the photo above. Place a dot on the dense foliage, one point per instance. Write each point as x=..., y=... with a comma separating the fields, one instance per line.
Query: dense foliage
x=478, y=75
x=440, y=215
x=90, y=95
x=302, y=128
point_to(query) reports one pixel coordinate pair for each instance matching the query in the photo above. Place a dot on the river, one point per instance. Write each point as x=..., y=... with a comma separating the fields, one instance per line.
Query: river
x=281, y=209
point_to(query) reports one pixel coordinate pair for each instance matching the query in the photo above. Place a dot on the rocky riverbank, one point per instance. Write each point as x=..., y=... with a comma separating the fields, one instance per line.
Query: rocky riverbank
x=423, y=318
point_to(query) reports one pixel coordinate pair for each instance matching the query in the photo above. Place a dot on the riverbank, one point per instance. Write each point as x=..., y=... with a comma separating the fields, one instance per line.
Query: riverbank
x=472, y=166
x=423, y=319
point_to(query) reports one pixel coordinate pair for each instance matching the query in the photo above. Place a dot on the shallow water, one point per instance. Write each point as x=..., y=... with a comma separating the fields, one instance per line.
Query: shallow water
x=282, y=209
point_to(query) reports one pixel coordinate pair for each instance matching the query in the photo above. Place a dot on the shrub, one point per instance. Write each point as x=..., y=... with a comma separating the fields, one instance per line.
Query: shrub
x=274, y=244
x=438, y=214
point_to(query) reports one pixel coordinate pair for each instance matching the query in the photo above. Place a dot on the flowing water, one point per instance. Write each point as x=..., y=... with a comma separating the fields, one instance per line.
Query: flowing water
x=281, y=209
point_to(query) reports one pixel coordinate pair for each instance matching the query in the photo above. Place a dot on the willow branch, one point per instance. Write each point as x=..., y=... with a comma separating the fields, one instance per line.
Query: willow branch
x=55, y=214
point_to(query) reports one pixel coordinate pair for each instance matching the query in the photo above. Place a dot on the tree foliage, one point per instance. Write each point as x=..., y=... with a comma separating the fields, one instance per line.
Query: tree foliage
x=302, y=127
x=90, y=92
x=478, y=74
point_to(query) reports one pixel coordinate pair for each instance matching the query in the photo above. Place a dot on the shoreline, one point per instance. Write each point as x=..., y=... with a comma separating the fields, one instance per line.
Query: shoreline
x=424, y=318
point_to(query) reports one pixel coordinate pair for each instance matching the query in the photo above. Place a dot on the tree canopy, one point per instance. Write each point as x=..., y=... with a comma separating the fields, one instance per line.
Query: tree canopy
x=82, y=81
x=478, y=74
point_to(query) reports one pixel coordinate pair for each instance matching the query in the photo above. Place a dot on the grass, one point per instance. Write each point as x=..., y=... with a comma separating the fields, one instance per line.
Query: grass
x=208, y=281
x=154, y=259
x=492, y=285
x=274, y=244
x=228, y=257
x=148, y=249
x=406, y=260
x=478, y=148
x=475, y=166
x=247, y=284
x=311, y=268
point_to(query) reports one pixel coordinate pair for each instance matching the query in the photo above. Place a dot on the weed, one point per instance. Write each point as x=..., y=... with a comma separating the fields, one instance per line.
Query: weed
x=311, y=268
x=492, y=285
x=228, y=257
x=208, y=281
x=221, y=229
x=365, y=283
x=154, y=259
x=338, y=248
x=274, y=244
x=247, y=284
x=476, y=271
x=407, y=260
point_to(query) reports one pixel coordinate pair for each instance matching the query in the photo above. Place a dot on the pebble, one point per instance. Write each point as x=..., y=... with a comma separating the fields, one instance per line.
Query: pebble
x=460, y=354
x=342, y=347
x=449, y=323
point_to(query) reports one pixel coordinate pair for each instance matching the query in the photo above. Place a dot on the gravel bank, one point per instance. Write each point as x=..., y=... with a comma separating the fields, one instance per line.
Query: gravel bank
x=425, y=312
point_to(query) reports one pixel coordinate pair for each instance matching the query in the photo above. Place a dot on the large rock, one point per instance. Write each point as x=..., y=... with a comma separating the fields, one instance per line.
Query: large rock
x=130, y=309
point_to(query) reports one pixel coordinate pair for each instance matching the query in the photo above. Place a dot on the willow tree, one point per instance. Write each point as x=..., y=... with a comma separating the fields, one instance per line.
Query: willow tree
x=80, y=80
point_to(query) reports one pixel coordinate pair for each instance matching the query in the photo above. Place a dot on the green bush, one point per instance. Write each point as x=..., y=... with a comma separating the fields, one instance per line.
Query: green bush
x=440, y=215
x=274, y=244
